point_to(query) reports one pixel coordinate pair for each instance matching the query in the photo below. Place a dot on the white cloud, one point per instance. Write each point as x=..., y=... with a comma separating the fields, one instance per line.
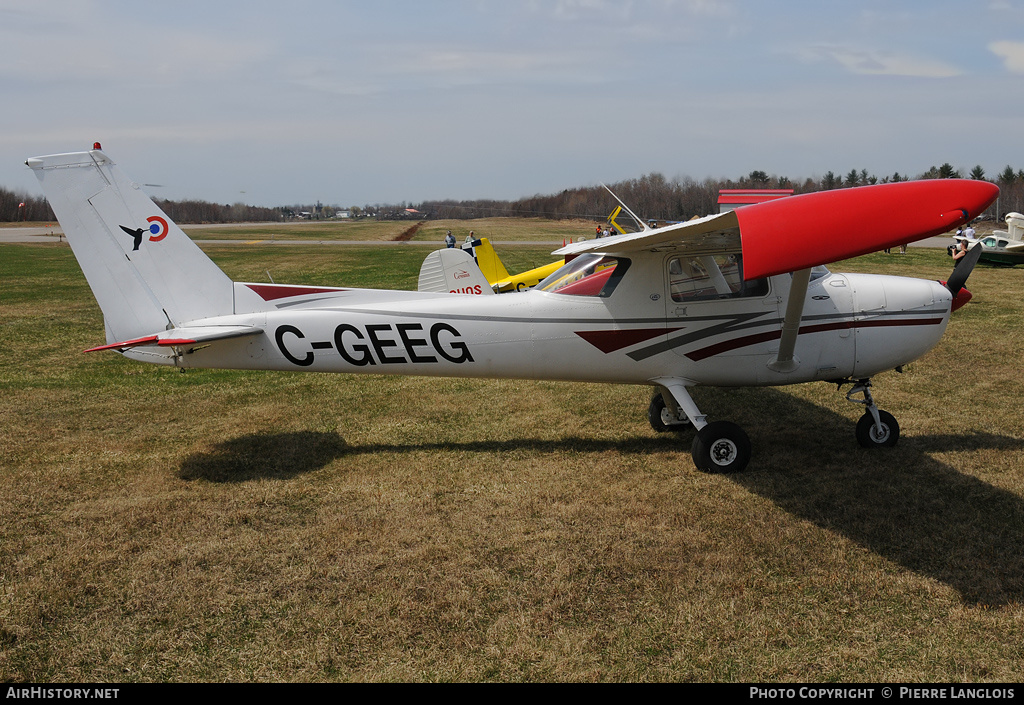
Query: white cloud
x=880, y=63
x=1012, y=54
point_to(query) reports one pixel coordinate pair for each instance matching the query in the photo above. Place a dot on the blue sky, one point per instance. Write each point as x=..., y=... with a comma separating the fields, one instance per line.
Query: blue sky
x=371, y=102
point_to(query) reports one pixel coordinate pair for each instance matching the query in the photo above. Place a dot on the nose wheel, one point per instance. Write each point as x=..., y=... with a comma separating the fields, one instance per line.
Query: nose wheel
x=877, y=434
x=876, y=428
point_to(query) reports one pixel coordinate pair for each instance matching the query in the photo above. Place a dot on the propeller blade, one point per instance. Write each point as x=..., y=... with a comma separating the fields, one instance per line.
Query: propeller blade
x=963, y=270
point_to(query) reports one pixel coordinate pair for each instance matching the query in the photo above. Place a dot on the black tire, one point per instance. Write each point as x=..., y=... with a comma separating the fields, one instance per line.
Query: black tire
x=721, y=446
x=871, y=437
x=661, y=418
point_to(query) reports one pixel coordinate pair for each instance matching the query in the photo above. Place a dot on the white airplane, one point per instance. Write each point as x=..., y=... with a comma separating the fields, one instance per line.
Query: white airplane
x=733, y=299
x=1002, y=246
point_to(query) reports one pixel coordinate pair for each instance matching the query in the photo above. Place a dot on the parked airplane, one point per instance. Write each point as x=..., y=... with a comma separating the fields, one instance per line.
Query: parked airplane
x=1002, y=246
x=449, y=270
x=475, y=268
x=733, y=299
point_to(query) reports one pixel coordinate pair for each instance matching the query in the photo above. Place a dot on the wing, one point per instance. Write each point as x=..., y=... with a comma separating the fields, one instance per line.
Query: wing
x=799, y=232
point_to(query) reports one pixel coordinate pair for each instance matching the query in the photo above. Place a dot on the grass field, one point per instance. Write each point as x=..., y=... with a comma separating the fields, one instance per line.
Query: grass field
x=237, y=526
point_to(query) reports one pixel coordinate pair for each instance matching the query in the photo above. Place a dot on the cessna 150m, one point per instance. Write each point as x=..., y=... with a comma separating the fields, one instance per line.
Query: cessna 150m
x=732, y=299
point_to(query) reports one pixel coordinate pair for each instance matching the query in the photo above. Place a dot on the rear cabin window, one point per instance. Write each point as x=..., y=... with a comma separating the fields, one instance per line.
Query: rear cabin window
x=711, y=277
x=586, y=275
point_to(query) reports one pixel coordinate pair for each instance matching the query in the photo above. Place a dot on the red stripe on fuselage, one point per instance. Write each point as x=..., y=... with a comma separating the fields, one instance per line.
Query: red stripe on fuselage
x=271, y=292
x=611, y=340
x=742, y=342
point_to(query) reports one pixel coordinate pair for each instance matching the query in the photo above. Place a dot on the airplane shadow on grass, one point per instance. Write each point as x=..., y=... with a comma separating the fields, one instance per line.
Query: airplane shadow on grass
x=900, y=503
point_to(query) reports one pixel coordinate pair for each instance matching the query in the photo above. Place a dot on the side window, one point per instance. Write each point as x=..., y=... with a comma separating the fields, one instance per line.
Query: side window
x=711, y=277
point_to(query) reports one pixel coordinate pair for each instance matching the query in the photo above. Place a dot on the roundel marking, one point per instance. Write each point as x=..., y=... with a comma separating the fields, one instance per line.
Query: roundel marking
x=157, y=228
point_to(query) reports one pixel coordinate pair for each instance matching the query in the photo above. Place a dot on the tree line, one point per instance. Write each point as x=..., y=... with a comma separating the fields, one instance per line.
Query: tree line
x=651, y=196
x=16, y=206
x=654, y=197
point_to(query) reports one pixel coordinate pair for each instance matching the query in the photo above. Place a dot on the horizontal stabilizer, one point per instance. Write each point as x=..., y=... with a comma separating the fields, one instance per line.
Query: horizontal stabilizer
x=189, y=335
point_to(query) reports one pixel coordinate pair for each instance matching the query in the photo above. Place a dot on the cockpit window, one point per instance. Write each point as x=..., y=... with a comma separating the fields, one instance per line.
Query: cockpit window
x=586, y=275
x=711, y=277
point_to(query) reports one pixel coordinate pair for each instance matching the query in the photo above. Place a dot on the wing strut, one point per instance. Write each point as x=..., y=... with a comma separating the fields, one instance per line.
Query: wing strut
x=785, y=361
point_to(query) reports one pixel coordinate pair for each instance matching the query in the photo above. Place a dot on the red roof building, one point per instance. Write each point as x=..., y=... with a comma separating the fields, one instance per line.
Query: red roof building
x=733, y=198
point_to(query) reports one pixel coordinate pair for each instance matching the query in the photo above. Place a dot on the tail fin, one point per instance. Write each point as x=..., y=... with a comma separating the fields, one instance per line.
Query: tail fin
x=488, y=260
x=145, y=273
x=452, y=271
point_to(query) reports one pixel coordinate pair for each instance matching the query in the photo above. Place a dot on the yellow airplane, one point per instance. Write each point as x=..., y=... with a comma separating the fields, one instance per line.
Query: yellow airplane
x=451, y=269
x=499, y=278
x=502, y=282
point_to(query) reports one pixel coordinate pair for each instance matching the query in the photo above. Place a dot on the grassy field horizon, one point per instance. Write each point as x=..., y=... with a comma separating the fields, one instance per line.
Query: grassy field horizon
x=261, y=526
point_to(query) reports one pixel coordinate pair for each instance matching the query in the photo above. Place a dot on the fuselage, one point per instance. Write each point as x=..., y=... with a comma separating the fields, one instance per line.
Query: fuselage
x=853, y=325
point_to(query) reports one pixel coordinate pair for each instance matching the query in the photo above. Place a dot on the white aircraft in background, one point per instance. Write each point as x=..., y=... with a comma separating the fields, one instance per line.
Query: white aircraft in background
x=733, y=299
x=1001, y=246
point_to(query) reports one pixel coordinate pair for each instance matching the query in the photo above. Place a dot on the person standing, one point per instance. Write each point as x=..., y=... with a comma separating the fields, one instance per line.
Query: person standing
x=959, y=252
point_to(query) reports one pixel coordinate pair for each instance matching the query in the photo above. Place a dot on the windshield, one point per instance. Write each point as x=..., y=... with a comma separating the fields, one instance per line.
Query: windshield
x=586, y=275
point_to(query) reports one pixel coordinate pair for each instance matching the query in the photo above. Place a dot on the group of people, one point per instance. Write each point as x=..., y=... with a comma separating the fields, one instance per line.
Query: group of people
x=449, y=239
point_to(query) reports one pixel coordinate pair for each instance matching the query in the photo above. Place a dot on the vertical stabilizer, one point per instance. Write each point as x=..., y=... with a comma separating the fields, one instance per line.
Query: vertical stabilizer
x=146, y=274
x=488, y=261
x=452, y=271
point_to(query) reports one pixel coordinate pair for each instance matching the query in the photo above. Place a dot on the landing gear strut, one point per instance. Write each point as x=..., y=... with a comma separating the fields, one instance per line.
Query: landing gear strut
x=719, y=446
x=876, y=428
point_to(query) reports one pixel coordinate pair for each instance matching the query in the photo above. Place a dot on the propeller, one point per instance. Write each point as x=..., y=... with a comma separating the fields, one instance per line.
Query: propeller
x=963, y=270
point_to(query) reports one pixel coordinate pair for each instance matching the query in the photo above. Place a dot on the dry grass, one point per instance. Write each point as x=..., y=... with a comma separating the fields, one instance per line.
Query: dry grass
x=234, y=526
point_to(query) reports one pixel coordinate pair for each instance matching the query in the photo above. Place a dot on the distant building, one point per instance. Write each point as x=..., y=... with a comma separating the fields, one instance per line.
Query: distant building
x=732, y=198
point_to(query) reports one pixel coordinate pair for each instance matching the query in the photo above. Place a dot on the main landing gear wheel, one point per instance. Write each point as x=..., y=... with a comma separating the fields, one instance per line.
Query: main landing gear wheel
x=881, y=435
x=721, y=446
x=661, y=417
